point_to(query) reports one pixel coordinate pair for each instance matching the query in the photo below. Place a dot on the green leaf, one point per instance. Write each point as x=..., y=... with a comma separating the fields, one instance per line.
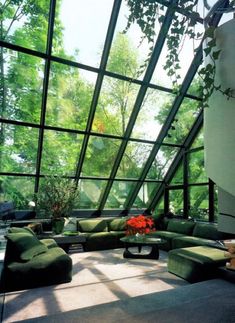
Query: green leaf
x=216, y=54
x=207, y=50
x=209, y=32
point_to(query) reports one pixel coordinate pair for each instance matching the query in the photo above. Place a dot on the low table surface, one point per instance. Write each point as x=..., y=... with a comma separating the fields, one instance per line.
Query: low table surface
x=143, y=240
x=63, y=239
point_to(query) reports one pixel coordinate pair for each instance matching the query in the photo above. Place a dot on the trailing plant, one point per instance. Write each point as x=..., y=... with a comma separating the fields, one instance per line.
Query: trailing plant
x=208, y=72
x=147, y=12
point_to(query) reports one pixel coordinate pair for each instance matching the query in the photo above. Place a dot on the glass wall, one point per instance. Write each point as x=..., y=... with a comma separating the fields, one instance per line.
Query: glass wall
x=82, y=99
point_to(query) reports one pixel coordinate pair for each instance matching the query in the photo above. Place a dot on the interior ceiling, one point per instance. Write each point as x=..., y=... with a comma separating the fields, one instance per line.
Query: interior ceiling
x=92, y=133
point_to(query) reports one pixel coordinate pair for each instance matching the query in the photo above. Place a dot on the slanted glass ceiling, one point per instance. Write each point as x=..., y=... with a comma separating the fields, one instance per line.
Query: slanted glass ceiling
x=77, y=100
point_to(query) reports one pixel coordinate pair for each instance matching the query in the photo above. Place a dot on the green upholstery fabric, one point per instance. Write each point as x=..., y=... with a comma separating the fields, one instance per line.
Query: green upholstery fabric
x=168, y=236
x=101, y=241
x=188, y=241
x=92, y=225
x=21, y=230
x=49, y=243
x=51, y=267
x=207, y=231
x=117, y=224
x=179, y=226
x=196, y=263
x=26, y=245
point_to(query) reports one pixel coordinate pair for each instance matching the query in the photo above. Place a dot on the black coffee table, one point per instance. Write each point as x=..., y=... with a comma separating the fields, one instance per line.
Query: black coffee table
x=140, y=241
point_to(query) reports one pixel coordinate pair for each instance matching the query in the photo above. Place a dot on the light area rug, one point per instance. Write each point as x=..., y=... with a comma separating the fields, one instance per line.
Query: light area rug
x=99, y=277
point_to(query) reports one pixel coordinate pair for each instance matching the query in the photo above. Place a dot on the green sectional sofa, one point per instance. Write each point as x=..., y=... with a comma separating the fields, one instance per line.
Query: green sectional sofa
x=188, y=243
x=183, y=233
x=194, y=249
x=102, y=233
x=31, y=263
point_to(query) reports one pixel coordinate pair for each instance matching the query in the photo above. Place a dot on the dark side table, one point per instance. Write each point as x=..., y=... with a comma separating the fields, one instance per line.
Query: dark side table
x=64, y=241
x=140, y=241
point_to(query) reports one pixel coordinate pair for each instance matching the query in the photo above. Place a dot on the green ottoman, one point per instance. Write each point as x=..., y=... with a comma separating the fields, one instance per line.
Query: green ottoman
x=196, y=264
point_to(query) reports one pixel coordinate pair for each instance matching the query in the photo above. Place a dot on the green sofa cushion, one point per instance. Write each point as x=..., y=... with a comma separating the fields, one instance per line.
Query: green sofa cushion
x=196, y=263
x=179, y=226
x=168, y=236
x=92, y=226
x=26, y=245
x=49, y=243
x=188, y=241
x=202, y=254
x=206, y=231
x=117, y=224
x=21, y=230
x=51, y=267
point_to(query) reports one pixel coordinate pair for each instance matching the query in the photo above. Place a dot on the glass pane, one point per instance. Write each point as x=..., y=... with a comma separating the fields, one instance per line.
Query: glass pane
x=194, y=88
x=25, y=23
x=69, y=97
x=199, y=140
x=19, y=190
x=176, y=203
x=84, y=24
x=145, y=194
x=152, y=115
x=22, y=82
x=159, y=209
x=100, y=156
x=114, y=107
x=199, y=202
x=18, y=152
x=118, y=194
x=183, y=121
x=178, y=177
x=133, y=161
x=90, y=193
x=196, y=167
x=129, y=50
x=60, y=152
x=162, y=162
x=185, y=55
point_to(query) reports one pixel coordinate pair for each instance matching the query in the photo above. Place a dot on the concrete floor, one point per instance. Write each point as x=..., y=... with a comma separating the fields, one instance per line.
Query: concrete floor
x=99, y=277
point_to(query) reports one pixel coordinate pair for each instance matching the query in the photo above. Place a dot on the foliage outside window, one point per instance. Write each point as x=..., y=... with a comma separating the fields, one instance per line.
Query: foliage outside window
x=199, y=204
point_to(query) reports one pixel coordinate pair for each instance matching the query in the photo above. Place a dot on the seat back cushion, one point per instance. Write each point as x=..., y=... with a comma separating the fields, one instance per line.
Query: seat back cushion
x=21, y=230
x=92, y=225
x=26, y=245
x=179, y=226
x=207, y=231
x=117, y=224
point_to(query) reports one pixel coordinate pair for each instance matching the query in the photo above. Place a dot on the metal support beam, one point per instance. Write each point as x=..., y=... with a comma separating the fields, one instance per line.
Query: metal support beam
x=175, y=164
x=176, y=104
x=99, y=81
x=45, y=91
x=147, y=78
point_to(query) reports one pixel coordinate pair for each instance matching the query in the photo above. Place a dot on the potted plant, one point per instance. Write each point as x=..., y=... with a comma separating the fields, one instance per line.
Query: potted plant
x=56, y=199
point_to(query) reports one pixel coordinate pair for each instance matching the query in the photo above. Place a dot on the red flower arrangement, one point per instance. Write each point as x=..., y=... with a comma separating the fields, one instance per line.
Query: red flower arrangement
x=140, y=224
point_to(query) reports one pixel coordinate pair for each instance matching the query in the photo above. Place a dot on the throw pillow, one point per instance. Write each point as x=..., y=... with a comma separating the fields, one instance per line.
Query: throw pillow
x=70, y=225
x=26, y=244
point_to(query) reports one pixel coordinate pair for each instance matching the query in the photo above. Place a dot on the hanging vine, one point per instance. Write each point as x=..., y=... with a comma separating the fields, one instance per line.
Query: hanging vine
x=147, y=12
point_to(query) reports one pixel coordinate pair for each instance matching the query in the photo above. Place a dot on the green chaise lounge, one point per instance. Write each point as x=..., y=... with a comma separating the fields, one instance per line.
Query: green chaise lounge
x=31, y=263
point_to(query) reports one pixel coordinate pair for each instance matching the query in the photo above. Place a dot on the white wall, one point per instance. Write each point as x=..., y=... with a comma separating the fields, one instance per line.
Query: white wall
x=219, y=118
